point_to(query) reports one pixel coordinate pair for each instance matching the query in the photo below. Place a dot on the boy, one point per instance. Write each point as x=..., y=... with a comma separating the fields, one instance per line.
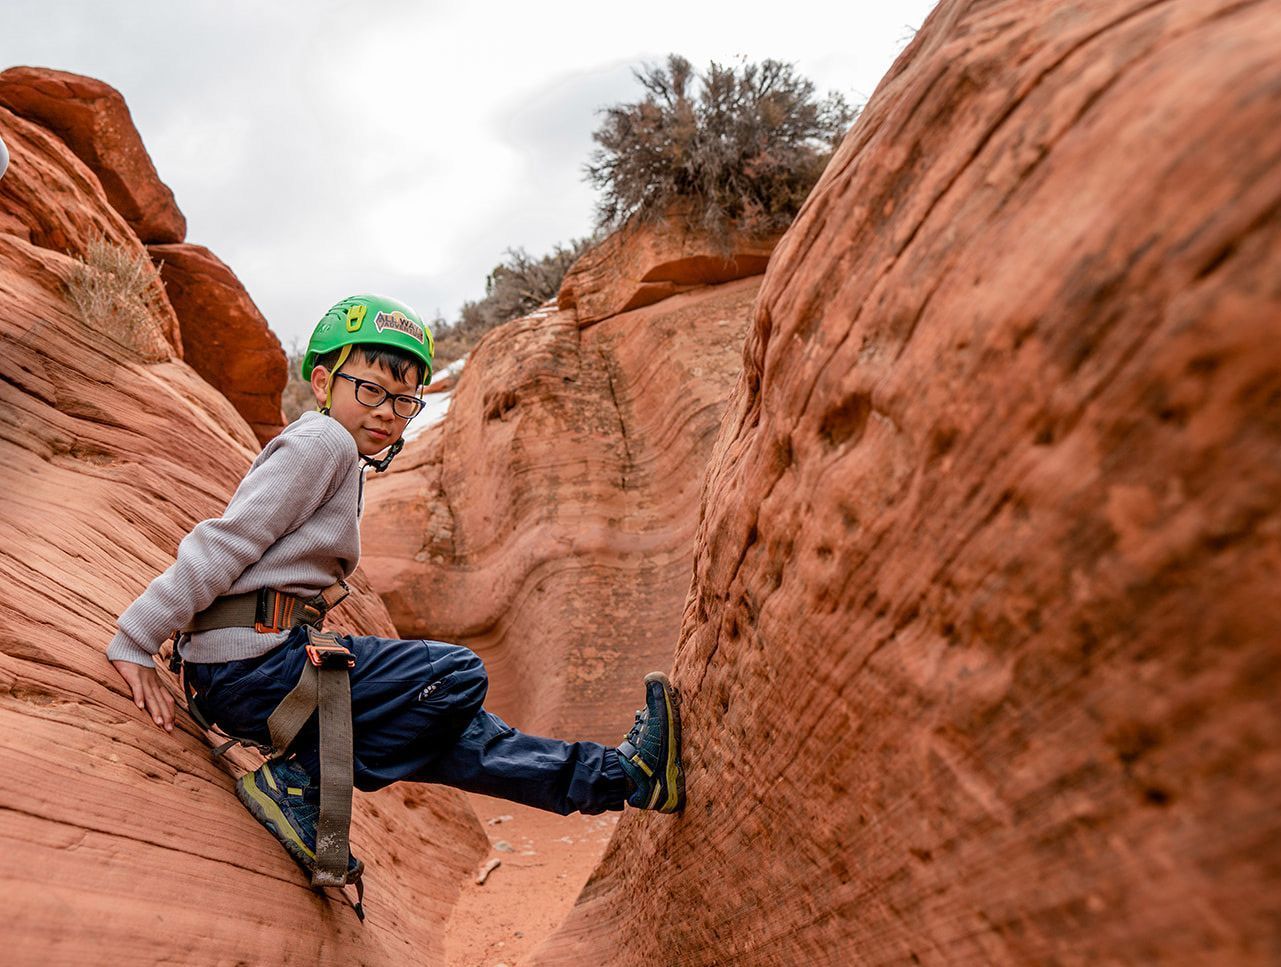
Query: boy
x=246, y=591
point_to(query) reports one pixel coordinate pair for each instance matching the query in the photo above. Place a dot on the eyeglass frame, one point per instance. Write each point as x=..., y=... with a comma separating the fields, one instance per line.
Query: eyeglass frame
x=417, y=401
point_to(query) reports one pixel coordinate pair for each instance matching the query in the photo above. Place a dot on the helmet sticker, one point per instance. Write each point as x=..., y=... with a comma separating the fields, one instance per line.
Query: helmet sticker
x=400, y=322
x=356, y=316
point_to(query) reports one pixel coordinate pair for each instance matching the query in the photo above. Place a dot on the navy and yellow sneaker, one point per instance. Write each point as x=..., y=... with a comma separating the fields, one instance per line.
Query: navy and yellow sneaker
x=281, y=796
x=651, y=753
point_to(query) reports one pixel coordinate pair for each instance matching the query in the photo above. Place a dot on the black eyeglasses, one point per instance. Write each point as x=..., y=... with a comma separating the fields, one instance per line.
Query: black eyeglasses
x=372, y=395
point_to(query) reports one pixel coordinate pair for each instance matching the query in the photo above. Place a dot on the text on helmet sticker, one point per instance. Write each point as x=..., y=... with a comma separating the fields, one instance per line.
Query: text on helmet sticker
x=400, y=322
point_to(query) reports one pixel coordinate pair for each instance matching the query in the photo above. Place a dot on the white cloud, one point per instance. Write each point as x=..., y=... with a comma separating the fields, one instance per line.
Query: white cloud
x=322, y=149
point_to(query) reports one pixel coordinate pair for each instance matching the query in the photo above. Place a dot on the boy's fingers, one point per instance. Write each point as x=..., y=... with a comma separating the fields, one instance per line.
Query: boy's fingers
x=156, y=702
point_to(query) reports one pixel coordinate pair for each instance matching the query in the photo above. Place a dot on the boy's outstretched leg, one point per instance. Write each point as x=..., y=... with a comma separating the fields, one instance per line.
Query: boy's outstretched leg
x=494, y=759
x=651, y=752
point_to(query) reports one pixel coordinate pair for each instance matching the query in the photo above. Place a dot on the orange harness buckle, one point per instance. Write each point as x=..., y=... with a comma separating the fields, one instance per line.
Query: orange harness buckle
x=330, y=656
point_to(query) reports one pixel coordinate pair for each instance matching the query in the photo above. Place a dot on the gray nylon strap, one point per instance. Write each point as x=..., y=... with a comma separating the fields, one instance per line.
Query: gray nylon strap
x=330, y=688
x=334, y=826
x=228, y=611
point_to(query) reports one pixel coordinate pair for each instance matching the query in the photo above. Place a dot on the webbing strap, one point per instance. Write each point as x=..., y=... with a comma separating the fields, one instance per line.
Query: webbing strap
x=330, y=689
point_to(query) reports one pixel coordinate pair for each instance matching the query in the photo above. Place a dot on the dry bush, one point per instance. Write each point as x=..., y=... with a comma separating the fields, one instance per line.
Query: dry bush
x=517, y=285
x=118, y=292
x=297, y=398
x=737, y=149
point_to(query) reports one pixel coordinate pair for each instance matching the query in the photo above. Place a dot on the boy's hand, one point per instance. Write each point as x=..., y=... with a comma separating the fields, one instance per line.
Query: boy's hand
x=148, y=692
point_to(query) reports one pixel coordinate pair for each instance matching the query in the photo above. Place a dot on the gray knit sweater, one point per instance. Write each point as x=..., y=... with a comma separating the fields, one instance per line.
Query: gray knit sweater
x=292, y=524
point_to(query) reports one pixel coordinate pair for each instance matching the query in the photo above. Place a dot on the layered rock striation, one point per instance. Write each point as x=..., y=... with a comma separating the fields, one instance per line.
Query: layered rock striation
x=980, y=660
x=113, y=834
x=203, y=310
x=548, y=522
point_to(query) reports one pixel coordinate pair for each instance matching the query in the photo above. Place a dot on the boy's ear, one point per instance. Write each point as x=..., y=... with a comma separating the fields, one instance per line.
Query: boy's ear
x=319, y=383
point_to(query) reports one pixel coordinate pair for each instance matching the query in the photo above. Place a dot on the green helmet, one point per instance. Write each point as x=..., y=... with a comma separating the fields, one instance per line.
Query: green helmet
x=370, y=319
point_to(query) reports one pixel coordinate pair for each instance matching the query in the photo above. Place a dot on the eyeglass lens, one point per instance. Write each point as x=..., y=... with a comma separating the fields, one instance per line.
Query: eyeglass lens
x=371, y=394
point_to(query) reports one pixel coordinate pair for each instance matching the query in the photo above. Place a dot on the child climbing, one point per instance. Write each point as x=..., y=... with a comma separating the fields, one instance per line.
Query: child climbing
x=246, y=599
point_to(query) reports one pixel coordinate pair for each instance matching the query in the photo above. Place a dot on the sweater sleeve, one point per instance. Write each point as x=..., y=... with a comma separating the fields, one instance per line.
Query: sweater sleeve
x=276, y=496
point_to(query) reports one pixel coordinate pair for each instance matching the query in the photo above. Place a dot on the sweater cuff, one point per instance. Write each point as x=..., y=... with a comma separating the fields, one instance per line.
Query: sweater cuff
x=123, y=649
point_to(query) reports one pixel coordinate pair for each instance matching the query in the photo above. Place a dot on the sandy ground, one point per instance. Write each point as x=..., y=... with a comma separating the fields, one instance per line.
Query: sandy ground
x=547, y=860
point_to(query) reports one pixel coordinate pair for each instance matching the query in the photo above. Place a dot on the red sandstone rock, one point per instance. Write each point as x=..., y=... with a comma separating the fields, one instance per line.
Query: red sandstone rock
x=225, y=338
x=115, y=836
x=980, y=661
x=49, y=199
x=548, y=522
x=444, y=385
x=93, y=120
x=644, y=263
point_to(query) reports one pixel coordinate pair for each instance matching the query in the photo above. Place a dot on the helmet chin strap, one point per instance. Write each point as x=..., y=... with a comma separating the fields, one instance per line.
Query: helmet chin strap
x=378, y=465
x=329, y=389
x=381, y=465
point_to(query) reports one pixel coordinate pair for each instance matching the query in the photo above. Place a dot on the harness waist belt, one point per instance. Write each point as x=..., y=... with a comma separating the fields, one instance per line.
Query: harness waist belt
x=268, y=611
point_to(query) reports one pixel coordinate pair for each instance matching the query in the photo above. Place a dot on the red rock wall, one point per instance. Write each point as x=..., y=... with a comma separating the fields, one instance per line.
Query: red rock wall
x=981, y=657
x=217, y=328
x=115, y=836
x=224, y=336
x=92, y=119
x=548, y=523
x=645, y=262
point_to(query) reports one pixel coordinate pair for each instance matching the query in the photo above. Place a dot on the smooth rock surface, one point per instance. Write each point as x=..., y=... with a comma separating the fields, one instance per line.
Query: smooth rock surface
x=93, y=120
x=548, y=521
x=224, y=336
x=114, y=835
x=645, y=262
x=981, y=660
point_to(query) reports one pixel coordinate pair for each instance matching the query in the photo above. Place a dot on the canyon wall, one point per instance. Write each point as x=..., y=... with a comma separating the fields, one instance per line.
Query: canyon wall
x=114, y=835
x=980, y=660
x=548, y=522
x=209, y=320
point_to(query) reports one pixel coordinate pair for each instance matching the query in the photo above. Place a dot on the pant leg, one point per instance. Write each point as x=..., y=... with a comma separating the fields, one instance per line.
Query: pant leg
x=492, y=758
x=410, y=700
x=417, y=714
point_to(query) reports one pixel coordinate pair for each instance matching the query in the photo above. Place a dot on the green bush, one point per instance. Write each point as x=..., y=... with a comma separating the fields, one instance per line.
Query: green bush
x=737, y=149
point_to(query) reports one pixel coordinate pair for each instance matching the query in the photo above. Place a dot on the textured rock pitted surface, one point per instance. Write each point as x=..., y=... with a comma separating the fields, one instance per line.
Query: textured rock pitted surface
x=224, y=336
x=93, y=120
x=548, y=522
x=115, y=836
x=981, y=658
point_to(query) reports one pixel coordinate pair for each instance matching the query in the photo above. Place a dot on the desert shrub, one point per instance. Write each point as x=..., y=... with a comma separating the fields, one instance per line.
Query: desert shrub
x=735, y=149
x=118, y=292
x=297, y=397
x=516, y=286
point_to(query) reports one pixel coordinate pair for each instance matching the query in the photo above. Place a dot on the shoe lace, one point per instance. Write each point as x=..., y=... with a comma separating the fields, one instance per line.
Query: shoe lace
x=642, y=716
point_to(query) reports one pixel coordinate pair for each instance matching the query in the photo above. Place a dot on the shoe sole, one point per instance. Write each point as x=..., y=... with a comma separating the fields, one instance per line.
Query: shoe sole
x=264, y=809
x=672, y=789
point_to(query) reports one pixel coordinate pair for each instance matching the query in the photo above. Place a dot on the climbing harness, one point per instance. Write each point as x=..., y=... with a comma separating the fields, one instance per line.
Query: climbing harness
x=324, y=684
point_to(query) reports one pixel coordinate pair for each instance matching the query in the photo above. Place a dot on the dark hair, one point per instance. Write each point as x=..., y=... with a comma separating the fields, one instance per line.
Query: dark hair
x=393, y=359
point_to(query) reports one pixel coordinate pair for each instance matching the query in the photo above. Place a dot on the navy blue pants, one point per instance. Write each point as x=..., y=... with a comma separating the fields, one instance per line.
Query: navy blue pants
x=418, y=716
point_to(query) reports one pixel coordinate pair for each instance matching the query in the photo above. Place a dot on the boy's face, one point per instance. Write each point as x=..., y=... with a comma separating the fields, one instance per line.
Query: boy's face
x=373, y=428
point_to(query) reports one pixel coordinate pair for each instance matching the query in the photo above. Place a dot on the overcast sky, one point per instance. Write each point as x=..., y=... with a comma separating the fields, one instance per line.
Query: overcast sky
x=327, y=148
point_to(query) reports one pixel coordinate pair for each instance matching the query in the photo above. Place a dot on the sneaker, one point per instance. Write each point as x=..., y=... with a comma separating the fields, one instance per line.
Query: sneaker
x=281, y=796
x=651, y=753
